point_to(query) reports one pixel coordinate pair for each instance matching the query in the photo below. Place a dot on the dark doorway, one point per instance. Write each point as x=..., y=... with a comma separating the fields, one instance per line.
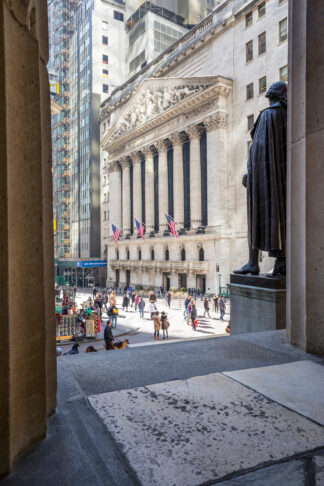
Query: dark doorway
x=166, y=281
x=201, y=283
x=182, y=280
x=127, y=278
x=117, y=278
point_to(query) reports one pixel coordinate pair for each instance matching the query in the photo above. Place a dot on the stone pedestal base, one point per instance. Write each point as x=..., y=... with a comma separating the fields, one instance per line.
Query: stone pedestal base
x=257, y=303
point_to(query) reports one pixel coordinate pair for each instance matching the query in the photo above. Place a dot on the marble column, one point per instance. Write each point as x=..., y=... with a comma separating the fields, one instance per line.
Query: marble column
x=177, y=140
x=216, y=169
x=149, y=189
x=137, y=187
x=305, y=203
x=194, y=133
x=124, y=162
x=162, y=147
x=115, y=196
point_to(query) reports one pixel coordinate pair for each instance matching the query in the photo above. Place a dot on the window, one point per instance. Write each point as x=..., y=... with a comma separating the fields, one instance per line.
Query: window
x=210, y=3
x=249, y=91
x=183, y=255
x=105, y=58
x=261, y=9
x=105, y=215
x=137, y=61
x=201, y=255
x=117, y=255
x=249, y=19
x=105, y=88
x=283, y=31
x=105, y=73
x=262, y=85
x=104, y=25
x=118, y=16
x=249, y=51
x=262, y=43
x=105, y=40
x=127, y=254
x=250, y=122
x=283, y=73
x=140, y=254
x=152, y=254
x=167, y=254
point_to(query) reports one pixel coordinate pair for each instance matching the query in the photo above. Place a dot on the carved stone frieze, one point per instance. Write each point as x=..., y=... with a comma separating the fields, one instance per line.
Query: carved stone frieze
x=136, y=158
x=162, y=145
x=113, y=167
x=202, y=109
x=177, y=138
x=148, y=151
x=124, y=162
x=219, y=120
x=194, y=131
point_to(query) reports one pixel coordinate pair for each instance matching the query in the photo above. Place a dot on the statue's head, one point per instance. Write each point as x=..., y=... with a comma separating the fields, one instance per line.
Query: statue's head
x=277, y=92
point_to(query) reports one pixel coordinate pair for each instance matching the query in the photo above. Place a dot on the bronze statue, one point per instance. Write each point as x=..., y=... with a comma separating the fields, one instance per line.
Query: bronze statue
x=266, y=182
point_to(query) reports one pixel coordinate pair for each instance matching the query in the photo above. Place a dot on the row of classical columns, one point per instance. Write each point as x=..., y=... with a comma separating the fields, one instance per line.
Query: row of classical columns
x=122, y=216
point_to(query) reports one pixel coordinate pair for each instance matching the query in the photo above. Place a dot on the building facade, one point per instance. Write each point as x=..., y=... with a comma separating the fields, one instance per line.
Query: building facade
x=177, y=140
x=94, y=70
x=61, y=27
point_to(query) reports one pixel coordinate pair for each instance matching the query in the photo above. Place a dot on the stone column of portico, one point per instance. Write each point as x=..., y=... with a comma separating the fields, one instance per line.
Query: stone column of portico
x=149, y=189
x=216, y=168
x=177, y=140
x=115, y=196
x=162, y=147
x=137, y=185
x=194, y=133
x=126, y=196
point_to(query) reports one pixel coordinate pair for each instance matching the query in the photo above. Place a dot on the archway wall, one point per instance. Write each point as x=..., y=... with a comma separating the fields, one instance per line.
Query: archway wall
x=27, y=325
x=305, y=285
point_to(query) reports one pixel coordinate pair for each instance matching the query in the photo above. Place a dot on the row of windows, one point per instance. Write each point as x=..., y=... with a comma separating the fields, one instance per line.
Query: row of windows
x=262, y=42
x=261, y=13
x=283, y=76
x=201, y=255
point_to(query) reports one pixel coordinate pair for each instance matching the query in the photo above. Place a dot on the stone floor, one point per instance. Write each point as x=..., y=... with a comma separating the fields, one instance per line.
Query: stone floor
x=231, y=411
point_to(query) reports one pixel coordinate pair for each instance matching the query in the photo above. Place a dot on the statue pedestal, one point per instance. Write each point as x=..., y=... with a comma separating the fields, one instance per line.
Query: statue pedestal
x=258, y=303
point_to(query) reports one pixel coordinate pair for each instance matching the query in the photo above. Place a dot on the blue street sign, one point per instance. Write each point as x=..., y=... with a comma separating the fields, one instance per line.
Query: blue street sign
x=91, y=263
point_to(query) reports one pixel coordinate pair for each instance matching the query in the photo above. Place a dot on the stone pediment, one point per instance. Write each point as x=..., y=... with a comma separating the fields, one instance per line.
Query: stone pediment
x=156, y=100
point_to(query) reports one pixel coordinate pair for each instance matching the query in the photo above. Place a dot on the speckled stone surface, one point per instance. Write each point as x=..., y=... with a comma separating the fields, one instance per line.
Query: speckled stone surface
x=191, y=431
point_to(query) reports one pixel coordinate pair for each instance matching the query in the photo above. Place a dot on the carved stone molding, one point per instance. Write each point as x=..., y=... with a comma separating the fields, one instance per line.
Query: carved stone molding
x=202, y=109
x=219, y=120
x=162, y=145
x=136, y=158
x=148, y=151
x=113, y=167
x=194, y=131
x=124, y=162
x=177, y=138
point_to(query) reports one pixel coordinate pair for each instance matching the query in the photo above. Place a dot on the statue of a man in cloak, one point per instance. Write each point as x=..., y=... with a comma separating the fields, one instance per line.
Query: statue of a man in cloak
x=266, y=182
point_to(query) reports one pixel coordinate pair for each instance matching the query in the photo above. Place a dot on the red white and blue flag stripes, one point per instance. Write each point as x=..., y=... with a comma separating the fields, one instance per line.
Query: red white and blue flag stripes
x=171, y=224
x=140, y=228
x=116, y=234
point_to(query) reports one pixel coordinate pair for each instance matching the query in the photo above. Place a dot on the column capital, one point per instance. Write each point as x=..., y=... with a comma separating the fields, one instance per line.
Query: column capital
x=113, y=167
x=177, y=138
x=148, y=151
x=124, y=162
x=219, y=120
x=136, y=158
x=162, y=145
x=194, y=131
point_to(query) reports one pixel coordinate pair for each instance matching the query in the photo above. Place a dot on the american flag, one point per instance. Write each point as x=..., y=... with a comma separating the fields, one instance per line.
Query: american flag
x=140, y=229
x=171, y=224
x=116, y=232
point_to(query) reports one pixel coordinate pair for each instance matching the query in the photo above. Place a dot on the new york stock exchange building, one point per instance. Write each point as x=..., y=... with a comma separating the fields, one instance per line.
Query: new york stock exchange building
x=175, y=140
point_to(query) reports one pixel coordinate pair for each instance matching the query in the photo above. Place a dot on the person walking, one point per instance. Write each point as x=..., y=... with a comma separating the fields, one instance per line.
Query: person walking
x=222, y=307
x=206, y=306
x=108, y=336
x=133, y=299
x=152, y=309
x=157, y=325
x=186, y=305
x=112, y=299
x=94, y=292
x=215, y=299
x=141, y=306
x=152, y=297
x=193, y=316
x=165, y=325
x=168, y=299
x=136, y=301
x=125, y=302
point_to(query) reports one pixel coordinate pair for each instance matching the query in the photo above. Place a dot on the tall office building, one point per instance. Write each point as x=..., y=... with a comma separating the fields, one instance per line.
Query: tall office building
x=60, y=16
x=96, y=67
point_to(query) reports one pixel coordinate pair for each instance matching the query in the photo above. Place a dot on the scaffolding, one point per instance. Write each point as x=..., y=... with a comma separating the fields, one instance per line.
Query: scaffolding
x=61, y=14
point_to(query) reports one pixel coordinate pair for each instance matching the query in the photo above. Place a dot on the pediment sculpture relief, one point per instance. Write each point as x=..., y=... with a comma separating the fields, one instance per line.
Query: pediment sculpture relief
x=151, y=104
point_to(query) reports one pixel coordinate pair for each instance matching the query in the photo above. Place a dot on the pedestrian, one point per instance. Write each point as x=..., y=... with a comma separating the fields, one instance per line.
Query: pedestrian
x=94, y=292
x=222, y=307
x=186, y=304
x=133, y=295
x=162, y=290
x=168, y=299
x=104, y=298
x=152, y=309
x=206, y=306
x=193, y=316
x=125, y=302
x=157, y=326
x=215, y=299
x=165, y=325
x=99, y=304
x=152, y=297
x=112, y=299
x=141, y=306
x=136, y=301
x=108, y=336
